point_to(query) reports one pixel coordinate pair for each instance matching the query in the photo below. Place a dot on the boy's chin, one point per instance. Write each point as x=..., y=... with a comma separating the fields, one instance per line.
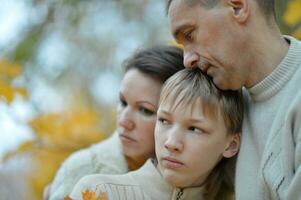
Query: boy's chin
x=174, y=181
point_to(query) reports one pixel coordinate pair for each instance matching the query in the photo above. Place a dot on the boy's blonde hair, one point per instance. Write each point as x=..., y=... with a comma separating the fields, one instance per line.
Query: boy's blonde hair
x=185, y=88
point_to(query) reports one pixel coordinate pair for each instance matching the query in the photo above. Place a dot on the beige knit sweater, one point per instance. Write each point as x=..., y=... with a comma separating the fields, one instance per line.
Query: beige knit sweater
x=145, y=183
x=105, y=157
x=269, y=162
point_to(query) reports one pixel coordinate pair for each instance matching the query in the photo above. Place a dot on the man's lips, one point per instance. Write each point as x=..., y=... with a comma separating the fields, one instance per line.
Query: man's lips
x=204, y=67
x=171, y=163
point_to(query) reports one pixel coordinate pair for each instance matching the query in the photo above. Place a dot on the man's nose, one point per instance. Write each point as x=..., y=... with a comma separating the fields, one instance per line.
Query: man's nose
x=191, y=59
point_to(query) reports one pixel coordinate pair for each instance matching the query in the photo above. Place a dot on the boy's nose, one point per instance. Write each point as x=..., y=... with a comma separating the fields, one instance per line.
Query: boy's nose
x=191, y=59
x=174, y=143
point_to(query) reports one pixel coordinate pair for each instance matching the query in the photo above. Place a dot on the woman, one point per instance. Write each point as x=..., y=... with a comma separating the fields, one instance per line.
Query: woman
x=133, y=141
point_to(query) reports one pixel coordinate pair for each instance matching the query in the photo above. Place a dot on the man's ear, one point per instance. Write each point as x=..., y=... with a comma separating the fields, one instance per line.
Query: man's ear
x=232, y=147
x=240, y=9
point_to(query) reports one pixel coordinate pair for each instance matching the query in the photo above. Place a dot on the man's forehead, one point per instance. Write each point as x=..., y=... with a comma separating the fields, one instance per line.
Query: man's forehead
x=180, y=16
x=187, y=2
x=180, y=8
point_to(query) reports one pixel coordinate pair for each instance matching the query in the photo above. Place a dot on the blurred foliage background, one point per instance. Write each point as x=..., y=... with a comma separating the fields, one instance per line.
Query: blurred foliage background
x=60, y=68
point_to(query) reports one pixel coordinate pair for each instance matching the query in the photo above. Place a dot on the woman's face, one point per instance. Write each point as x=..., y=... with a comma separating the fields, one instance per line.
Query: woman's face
x=136, y=116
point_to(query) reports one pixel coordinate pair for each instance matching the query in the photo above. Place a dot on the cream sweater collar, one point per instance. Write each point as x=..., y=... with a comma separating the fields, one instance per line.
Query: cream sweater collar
x=273, y=83
x=149, y=178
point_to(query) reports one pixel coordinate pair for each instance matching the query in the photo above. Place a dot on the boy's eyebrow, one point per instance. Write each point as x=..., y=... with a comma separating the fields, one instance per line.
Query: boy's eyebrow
x=163, y=112
x=196, y=120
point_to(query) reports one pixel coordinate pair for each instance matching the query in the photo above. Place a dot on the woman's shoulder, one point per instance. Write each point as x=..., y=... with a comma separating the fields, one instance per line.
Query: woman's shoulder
x=107, y=156
x=104, y=157
x=103, y=154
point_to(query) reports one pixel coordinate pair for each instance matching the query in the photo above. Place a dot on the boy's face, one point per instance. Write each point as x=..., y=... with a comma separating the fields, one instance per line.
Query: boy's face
x=189, y=143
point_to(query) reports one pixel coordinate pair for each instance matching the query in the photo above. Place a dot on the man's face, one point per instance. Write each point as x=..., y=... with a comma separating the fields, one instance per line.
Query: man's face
x=211, y=41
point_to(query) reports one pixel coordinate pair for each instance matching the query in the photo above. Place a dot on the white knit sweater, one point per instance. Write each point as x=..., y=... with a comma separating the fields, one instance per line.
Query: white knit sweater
x=145, y=183
x=269, y=162
x=105, y=157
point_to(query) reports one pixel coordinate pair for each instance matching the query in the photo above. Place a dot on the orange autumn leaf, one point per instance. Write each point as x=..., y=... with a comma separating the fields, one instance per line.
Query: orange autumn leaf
x=102, y=196
x=90, y=195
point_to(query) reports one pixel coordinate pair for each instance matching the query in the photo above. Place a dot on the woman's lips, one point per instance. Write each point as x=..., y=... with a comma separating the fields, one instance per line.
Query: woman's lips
x=126, y=138
x=171, y=163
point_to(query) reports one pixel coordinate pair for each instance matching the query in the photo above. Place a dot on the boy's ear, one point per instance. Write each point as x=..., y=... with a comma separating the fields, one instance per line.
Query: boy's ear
x=233, y=146
x=240, y=9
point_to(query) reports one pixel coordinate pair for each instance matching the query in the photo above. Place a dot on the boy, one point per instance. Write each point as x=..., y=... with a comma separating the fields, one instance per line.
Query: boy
x=197, y=136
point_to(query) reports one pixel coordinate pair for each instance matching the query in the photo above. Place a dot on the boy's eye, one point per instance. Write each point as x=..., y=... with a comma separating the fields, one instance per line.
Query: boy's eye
x=146, y=112
x=163, y=121
x=195, y=129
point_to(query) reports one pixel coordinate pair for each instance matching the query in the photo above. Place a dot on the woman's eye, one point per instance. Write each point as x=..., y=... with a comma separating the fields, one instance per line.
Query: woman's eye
x=146, y=111
x=123, y=103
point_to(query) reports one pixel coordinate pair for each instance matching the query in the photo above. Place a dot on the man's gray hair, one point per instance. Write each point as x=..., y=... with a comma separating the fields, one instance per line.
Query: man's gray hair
x=266, y=6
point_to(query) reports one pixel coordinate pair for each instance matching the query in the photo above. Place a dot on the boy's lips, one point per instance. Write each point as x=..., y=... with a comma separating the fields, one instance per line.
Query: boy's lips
x=171, y=163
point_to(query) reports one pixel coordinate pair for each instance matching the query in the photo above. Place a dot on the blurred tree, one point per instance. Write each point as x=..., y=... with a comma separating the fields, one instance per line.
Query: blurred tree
x=9, y=71
x=289, y=17
x=57, y=62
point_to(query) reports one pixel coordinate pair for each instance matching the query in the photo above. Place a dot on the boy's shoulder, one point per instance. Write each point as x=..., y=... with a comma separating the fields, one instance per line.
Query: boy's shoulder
x=111, y=185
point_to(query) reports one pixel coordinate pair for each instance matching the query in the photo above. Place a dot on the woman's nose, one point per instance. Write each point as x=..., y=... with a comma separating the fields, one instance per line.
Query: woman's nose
x=125, y=119
x=191, y=60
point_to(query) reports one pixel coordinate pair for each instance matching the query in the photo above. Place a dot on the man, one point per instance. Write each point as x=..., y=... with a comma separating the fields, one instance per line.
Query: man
x=238, y=44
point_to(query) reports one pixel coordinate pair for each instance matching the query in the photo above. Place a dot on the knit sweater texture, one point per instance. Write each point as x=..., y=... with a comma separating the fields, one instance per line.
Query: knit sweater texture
x=105, y=157
x=145, y=183
x=269, y=162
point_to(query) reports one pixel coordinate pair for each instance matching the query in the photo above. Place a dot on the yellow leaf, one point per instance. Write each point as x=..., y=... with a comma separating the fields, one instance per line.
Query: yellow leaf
x=8, y=92
x=292, y=16
x=70, y=130
x=297, y=33
x=174, y=43
x=9, y=69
